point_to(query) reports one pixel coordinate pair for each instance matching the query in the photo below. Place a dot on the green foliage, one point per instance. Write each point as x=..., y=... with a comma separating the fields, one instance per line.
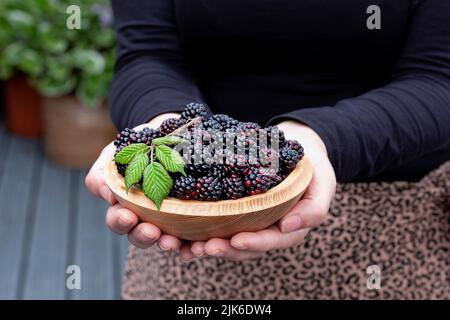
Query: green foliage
x=156, y=183
x=35, y=40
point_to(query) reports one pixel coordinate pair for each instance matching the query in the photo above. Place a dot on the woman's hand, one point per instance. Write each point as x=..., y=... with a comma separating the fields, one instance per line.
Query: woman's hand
x=291, y=230
x=121, y=220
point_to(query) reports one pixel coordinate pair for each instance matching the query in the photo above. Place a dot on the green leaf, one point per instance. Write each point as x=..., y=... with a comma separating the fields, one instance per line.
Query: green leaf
x=51, y=87
x=90, y=61
x=157, y=183
x=171, y=159
x=135, y=169
x=129, y=152
x=167, y=140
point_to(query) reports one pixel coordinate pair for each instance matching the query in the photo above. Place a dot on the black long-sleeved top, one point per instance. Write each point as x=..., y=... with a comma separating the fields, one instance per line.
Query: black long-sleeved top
x=379, y=98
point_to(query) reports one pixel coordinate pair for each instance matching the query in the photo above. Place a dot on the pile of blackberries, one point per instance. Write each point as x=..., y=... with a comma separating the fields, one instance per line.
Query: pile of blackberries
x=248, y=159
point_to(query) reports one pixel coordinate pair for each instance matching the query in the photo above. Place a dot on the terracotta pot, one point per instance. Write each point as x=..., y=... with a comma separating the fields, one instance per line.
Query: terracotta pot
x=23, y=108
x=74, y=134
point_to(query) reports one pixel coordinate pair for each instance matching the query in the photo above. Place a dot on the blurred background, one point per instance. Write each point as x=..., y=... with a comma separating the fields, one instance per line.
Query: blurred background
x=56, y=64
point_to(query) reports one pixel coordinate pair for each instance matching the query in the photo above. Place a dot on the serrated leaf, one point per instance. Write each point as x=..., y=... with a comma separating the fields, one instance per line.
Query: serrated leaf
x=129, y=152
x=167, y=140
x=170, y=159
x=157, y=183
x=135, y=170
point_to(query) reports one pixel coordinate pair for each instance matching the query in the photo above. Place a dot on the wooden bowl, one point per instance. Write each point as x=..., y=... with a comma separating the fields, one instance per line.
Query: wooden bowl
x=202, y=220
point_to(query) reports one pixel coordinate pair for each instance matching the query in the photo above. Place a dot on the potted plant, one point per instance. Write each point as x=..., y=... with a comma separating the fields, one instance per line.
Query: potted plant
x=23, y=109
x=71, y=70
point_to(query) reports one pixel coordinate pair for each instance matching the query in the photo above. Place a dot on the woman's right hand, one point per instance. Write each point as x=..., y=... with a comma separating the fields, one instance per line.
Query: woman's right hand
x=121, y=220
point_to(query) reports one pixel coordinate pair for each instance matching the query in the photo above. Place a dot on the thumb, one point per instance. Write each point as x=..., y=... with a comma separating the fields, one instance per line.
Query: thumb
x=312, y=209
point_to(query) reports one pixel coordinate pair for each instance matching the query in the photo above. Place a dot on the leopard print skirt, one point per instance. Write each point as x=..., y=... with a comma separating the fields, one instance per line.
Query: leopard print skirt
x=400, y=229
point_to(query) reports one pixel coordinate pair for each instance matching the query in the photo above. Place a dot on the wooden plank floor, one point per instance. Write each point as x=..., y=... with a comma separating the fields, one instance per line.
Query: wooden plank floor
x=48, y=221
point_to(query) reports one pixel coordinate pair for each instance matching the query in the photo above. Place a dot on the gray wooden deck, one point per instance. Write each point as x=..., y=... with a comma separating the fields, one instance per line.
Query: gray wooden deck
x=48, y=221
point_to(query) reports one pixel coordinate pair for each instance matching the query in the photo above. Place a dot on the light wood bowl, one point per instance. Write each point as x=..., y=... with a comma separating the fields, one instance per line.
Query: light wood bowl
x=202, y=220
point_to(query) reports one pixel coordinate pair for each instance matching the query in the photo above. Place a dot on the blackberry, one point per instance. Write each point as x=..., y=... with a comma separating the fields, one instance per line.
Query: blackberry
x=121, y=167
x=184, y=188
x=170, y=125
x=288, y=158
x=295, y=145
x=197, y=170
x=249, y=126
x=226, y=122
x=259, y=180
x=267, y=156
x=193, y=110
x=123, y=138
x=209, y=188
x=148, y=134
x=233, y=187
x=211, y=124
x=246, y=143
x=273, y=133
x=239, y=164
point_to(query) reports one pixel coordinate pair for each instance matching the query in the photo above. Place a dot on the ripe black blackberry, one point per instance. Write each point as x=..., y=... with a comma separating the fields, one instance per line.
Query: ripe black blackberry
x=226, y=122
x=295, y=145
x=123, y=137
x=197, y=170
x=288, y=158
x=121, y=168
x=259, y=180
x=184, y=188
x=193, y=110
x=211, y=124
x=273, y=133
x=233, y=187
x=209, y=188
x=148, y=134
x=170, y=125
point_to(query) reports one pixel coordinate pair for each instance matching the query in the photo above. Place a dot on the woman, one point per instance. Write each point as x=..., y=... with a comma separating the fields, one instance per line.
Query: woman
x=365, y=89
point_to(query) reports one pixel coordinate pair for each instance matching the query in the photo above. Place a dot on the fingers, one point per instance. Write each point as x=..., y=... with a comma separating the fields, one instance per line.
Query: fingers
x=312, y=209
x=120, y=220
x=169, y=243
x=198, y=248
x=186, y=253
x=222, y=248
x=95, y=181
x=144, y=235
x=267, y=239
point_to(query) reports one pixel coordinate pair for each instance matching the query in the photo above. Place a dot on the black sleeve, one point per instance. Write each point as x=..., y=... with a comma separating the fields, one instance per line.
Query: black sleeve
x=402, y=121
x=150, y=76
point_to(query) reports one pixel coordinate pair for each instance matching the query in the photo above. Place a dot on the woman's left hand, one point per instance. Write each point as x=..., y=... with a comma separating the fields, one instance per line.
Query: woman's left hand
x=291, y=230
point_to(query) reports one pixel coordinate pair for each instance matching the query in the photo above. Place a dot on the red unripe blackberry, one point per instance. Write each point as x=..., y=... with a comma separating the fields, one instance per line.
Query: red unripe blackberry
x=193, y=110
x=170, y=125
x=233, y=187
x=184, y=188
